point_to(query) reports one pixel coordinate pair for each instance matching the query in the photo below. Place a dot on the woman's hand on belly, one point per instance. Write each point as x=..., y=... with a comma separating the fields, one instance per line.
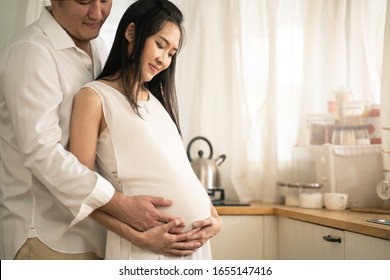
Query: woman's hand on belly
x=207, y=228
x=161, y=240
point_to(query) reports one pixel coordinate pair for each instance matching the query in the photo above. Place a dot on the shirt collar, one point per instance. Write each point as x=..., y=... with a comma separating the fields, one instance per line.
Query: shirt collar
x=54, y=31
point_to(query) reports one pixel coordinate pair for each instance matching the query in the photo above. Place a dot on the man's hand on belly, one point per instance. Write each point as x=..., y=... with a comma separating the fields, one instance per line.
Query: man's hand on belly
x=139, y=211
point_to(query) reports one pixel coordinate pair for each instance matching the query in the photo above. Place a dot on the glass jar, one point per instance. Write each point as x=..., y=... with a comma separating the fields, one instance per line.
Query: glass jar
x=310, y=195
x=347, y=136
x=320, y=128
x=282, y=186
x=336, y=135
x=291, y=193
x=362, y=135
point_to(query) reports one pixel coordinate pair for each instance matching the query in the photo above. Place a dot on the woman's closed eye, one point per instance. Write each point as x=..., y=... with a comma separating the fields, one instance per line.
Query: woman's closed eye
x=163, y=46
x=159, y=45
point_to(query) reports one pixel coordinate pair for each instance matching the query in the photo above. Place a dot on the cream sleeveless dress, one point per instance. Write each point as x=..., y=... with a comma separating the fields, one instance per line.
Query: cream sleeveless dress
x=146, y=156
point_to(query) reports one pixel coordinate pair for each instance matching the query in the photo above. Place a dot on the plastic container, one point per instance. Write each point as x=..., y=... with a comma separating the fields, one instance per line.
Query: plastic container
x=310, y=195
x=320, y=128
x=353, y=112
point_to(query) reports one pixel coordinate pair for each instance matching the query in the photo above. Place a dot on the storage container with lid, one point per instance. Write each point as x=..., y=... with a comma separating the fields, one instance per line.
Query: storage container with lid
x=310, y=195
x=353, y=111
x=320, y=128
x=291, y=193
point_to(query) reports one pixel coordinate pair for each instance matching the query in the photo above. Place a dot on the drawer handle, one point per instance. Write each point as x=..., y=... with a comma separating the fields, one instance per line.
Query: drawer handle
x=332, y=239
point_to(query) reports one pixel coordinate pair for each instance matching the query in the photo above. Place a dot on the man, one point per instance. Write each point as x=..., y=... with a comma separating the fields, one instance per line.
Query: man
x=46, y=195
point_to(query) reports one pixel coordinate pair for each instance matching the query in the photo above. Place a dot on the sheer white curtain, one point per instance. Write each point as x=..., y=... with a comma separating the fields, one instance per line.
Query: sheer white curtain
x=34, y=9
x=16, y=14
x=109, y=28
x=251, y=70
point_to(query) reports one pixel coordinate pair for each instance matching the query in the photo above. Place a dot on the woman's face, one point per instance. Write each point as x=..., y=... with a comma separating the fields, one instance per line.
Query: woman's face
x=159, y=50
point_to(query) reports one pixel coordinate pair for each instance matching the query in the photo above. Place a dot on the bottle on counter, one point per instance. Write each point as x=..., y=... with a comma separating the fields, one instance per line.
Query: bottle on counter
x=373, y=120
x=332, y=109
x=342, y=95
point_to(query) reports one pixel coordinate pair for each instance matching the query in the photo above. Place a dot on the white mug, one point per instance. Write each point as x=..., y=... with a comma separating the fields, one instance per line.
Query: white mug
x=335, y=201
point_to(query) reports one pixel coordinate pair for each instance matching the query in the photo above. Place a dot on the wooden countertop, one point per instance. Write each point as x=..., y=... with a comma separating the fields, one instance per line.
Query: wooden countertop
x=344, y=220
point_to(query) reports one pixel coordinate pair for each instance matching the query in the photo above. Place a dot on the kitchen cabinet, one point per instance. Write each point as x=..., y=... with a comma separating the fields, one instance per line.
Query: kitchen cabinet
x=364, y=247
x=305, y=241
x=273, y=231
x=246, y=237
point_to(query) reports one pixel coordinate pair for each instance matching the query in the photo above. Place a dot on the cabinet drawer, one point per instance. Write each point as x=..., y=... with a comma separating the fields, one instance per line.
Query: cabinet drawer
x=305, y=241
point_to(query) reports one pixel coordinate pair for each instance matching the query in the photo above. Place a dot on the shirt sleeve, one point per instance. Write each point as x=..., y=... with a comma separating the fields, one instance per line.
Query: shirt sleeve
x=33, y=95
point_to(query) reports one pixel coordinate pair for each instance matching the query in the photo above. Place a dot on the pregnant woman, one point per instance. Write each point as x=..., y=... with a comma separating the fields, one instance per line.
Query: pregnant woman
x=127, y=120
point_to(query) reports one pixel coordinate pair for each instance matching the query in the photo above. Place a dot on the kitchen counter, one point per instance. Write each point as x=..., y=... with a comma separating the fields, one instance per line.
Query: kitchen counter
x=344, y=220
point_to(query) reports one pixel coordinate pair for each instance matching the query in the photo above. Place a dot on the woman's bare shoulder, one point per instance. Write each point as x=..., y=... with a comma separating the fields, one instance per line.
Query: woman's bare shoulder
x=87, y=96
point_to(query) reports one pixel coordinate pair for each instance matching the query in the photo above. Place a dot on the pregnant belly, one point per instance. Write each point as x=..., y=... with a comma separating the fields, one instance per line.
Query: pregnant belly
x=190, y=200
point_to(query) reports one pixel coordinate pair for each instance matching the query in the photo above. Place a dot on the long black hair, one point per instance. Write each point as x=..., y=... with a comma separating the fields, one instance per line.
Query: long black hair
x=149, y=17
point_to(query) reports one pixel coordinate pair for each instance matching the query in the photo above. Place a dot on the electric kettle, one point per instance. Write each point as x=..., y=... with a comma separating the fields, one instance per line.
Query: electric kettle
x=206, y=169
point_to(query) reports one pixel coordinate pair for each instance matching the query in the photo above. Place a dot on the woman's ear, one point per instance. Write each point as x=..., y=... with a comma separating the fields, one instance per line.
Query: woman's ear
x=130, y=30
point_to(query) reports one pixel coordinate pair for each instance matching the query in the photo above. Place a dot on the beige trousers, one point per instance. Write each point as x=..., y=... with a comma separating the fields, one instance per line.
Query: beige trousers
x=34, y=249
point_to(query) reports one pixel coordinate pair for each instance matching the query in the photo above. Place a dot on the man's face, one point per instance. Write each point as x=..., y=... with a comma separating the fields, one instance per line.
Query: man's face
x=82, y=19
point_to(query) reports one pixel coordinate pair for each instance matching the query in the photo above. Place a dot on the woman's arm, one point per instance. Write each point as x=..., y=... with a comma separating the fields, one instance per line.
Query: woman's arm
x=86, y=124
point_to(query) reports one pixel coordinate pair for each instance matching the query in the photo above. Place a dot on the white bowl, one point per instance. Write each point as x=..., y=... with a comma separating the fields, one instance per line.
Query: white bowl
x=335, y=201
